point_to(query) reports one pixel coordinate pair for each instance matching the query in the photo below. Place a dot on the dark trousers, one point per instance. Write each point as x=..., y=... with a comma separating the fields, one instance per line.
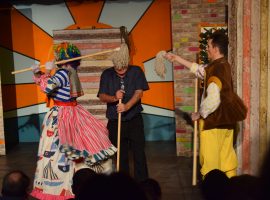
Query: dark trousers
x=132, y=135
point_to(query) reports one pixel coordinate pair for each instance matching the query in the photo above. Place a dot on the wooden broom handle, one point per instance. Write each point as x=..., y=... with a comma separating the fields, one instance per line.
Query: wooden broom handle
x=194, y=174
x=69, y=60
x=118, y=139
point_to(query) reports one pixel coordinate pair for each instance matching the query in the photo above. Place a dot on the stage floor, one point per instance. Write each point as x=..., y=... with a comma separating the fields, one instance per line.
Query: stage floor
x=173, y=173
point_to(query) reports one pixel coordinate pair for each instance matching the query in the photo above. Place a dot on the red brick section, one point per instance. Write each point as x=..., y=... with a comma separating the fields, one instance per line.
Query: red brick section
x=187, y=15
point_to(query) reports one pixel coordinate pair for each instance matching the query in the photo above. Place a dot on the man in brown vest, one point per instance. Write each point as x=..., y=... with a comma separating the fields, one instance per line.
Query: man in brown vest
x=220, y=107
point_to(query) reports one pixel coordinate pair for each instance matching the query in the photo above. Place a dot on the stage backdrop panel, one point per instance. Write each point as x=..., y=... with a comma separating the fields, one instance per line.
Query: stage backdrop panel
x=2, y=136
x=91, y=41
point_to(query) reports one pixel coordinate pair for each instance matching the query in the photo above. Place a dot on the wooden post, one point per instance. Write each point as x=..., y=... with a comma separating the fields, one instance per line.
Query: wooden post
x=118, y=139
x=263, y=78
x=194, y=174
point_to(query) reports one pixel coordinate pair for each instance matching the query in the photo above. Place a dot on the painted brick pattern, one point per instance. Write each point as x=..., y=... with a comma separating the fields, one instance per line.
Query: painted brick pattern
x=91, y=41
x=187, y=15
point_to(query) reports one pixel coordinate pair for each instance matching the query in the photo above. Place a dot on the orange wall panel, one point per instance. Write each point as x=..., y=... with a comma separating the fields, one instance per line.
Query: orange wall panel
x=18, y=96
x=159, y=95
x=28, y=39
x=150, y=37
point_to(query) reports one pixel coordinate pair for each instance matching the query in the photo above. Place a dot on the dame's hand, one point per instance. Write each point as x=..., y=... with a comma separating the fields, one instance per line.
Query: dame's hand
x=35, y=68
x=49, y=65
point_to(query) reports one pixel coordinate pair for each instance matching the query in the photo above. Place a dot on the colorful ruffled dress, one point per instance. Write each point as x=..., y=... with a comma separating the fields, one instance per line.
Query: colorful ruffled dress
x=70, y=136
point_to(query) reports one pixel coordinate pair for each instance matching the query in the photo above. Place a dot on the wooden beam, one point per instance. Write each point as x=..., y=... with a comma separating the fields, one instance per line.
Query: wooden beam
x=255, y=87
x=239, y=71
x=268, y=106
x=263, y=78
x=246, y=82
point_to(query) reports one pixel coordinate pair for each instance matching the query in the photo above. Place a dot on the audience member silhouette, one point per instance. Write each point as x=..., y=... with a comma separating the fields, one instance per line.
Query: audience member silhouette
x=15, y=186
x=94, y=188
x=214, y=185
x=243, y=187
x=152, y=189
x=118, y=186
x=125, y=187
x=80, y=177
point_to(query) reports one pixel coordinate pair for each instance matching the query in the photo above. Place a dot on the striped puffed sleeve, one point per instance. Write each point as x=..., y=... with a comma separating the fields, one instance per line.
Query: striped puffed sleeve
x=59, y=80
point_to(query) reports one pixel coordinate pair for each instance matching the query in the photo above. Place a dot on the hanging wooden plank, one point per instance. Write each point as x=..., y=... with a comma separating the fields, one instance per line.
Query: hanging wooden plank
x=246, y=82
x=268, y=106
x=232, y=30
x=239, y=69
x=263, y=77
x=255, y=87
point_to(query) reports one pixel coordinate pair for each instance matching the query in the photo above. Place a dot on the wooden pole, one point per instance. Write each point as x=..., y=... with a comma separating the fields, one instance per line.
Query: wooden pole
x=69, y=60
x=118, y=139
x=194, y=173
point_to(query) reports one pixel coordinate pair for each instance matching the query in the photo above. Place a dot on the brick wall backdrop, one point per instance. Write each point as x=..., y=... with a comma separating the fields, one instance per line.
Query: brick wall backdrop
x=91, y=41
x=187, y=16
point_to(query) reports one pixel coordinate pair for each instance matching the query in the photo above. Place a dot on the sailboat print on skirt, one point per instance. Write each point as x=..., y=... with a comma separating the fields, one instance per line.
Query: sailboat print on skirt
x=63, y=164
x=54, y=147
x=50, y=178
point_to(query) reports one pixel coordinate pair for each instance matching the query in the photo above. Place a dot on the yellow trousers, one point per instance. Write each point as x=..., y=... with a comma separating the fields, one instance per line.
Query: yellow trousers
x=217, y=152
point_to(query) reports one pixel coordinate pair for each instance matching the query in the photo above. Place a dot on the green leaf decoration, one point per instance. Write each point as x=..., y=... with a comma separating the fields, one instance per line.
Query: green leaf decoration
x=203, y=42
